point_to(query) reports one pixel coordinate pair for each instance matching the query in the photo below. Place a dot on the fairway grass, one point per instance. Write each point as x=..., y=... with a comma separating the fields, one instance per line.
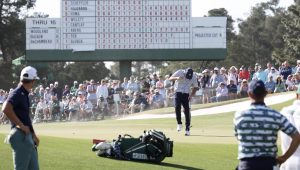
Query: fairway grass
x=67, y=154
x=67, y=145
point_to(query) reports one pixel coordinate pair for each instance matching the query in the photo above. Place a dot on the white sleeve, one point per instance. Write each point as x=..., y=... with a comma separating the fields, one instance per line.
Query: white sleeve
x=105, y=92
x=177, y=73
x=98, y=92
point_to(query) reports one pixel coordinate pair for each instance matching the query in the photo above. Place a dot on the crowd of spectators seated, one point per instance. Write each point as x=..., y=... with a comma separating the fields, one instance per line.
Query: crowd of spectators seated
x=91, y=100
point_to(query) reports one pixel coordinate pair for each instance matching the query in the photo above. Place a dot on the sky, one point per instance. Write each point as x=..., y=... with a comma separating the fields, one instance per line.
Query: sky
x=236, y=8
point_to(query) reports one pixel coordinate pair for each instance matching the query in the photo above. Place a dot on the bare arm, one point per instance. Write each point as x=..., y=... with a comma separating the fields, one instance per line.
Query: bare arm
x=194, y=90
x=174, y=78
x=292, y=148
x=7, y=109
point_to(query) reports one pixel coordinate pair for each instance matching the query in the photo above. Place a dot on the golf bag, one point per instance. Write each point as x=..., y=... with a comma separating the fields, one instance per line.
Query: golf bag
x=152, y=146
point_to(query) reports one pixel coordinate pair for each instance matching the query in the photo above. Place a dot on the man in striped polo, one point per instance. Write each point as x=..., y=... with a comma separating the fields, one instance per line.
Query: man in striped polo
x=256, y=129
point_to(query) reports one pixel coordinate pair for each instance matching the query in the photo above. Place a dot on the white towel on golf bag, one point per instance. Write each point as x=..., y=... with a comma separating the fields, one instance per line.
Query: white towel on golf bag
x=293, y=115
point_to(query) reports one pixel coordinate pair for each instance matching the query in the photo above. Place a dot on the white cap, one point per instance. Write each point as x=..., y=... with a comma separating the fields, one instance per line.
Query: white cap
x=29, y=73
x=298, y=61
x=216, y=68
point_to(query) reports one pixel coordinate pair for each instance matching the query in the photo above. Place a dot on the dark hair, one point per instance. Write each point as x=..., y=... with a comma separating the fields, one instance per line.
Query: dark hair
x=260, y=93
x=24, y=81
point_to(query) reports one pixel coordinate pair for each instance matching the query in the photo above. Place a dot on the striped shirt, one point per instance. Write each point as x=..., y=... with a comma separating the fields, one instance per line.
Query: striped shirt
x=184, y=85
x=256, y=129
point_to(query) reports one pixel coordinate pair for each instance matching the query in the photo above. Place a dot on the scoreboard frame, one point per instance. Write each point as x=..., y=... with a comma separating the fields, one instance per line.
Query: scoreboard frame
x=128, y=55
x=160, y=30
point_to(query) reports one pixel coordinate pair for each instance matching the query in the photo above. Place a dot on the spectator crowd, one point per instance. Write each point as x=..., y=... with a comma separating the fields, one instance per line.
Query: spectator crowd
x=92, y=100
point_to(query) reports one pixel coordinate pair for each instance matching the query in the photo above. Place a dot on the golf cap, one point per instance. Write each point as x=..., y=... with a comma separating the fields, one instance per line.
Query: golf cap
x=298, y=61
x=189, y=73
x=256, y=87
x=216, y=69
x=29, y=73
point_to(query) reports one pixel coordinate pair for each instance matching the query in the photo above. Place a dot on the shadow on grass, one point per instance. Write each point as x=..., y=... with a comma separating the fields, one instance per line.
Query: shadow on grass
x=178, y=166
x=164, y=164
x=171, y=165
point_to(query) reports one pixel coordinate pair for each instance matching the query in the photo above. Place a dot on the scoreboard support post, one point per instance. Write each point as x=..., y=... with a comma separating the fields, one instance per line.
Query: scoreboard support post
x=125, y=69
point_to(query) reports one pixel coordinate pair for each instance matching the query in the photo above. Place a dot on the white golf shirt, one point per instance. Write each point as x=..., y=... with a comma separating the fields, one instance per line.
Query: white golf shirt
x=293, y=115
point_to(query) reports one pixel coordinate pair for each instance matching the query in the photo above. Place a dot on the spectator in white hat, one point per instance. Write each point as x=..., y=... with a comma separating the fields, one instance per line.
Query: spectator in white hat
x=232, y=75
x=224, y=73
x=216, y=78
x=47, y=95
x=273, y=73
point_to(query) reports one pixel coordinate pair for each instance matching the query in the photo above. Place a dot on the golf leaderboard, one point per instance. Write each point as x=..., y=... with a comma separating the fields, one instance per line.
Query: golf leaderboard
x=89, y=25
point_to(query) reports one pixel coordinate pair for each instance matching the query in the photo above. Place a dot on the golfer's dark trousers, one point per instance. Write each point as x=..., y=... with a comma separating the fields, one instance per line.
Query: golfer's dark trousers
x=183, y=99
x=257, y=163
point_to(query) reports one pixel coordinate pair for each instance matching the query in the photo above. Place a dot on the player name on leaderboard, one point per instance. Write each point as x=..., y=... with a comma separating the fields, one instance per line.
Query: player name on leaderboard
x=78, y=24
x=126, y=24
x=43, y=33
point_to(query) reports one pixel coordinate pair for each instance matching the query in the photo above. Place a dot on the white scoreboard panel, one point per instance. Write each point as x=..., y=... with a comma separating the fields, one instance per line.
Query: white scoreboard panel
x=208, y=32
x=143, y=24
x=78, y=25
x=90, y=25
x=42, y=33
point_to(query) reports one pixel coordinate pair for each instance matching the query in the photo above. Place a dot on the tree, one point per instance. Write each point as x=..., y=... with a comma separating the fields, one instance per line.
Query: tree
x=12, y=28
x=230, y=37
x=80, y=71
x=222, y=12
x=254, y=41
x=12, y=36
x=291, y=37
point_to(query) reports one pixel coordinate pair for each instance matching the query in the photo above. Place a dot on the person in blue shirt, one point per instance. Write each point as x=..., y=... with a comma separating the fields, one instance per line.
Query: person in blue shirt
x=260, y=75
x=22, y=137
x=270, y=85
x=286, y=70
x=157, y=100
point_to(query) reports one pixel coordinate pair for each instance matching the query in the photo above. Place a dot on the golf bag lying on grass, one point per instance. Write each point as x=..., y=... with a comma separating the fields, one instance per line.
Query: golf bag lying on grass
x=152, y=146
